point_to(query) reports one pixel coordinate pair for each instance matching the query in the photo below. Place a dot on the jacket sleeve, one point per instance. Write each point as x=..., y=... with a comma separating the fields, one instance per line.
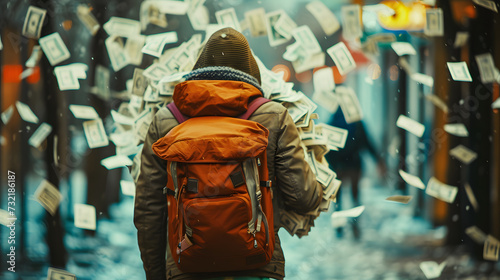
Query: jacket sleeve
x=150, y=211
x=297, y=182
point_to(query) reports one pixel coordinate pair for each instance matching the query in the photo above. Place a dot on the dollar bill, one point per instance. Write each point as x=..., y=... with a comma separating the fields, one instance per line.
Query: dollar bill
x=460, y=39
x=83, y=112
x=26, y=113
x=68, y=75
x=59, y=274
x=471, y=196
x=48, y=196
x=275, y=38
x=463, y=154
x=140, y=82
x=305, y=37
x=437, y=102
x=423, y=79
x=496, y=104
x=491, y=249
x=350, y=213
x=133, y=48
x=116, y=161
x=36, y=54
x=342, y=58
x=325, y=176
x=127, y=187
x=116, y=52
x=141, y=124
x=327, y=100
x=412, y=179
x=476, y=234
x=304, y=63
x=40, y=135
x=155, y=43
x=54, y=48
x=326, y=19
x=441, y=191
x=228, y=18
x=335, y=136
x=85, y=216
x=486, y=67
x=198, y=15
x=459, y=71
x=172, y=7
x=95, y=133
x=434, y=22
x=349, y=104
x=122, y=138
x=487, y=4
x=291, y=221
x=285, y=25
x=330, y=193
x=410, y=125
x=1, y=44
x=102, y=76
x=121, y=119
x=33, y=22
x=122, y=27
x=457, y=129
x=405, y=199
x=256, y=20
x=88, y=19
x=383, y=38
x=155, y=72
x=431, y=269
x=403, y=48
x=7, y=114
x=156, y=17
x=351, y=21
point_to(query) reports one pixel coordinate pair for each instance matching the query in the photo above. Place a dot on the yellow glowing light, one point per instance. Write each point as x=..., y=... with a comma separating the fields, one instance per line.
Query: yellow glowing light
x=409, y=17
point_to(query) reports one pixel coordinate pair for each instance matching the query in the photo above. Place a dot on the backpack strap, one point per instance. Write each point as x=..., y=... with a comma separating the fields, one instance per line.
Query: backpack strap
x=253, y=106
x=180, y=117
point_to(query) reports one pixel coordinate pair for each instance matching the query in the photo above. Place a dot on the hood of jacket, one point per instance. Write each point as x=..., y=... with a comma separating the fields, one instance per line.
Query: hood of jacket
x=216, y=91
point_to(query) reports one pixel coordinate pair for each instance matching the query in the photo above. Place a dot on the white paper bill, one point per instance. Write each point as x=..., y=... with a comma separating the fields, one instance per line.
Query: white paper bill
x=95, y=133
x=88, y=19
x=403, y=48
x=155, y=43
x=133, y=48
x=491, y=249
x=48, y=196
x=228, y=18
x=471, y=196
x=441, y=191
x=7, y=114
x=198, y=15
x=25, y=112
x=325, y=176
x=412, y=180
x=83, y=112
x=40, y=135
x=342, y=58
x=85, y=216
x=476, y=234
x=171, y=7
x=423, y=79
x=349, y=103
x=459, y=71
x=36, y=54
x=59, y=274
x=460, y=39
x=122, y=27
x=351, y=213
x=326, y=19
x=457, y=129
x=434, y=99
x=304, y=63
x=431, y=269
x=68, y=75
x=33, y=22
x=404, y=199
x=323, y=80
x=116, y=161
x=285, y=25
x=54, y=48
x=256, y=20
x=487, y=4
x=305, y=37
x=463, y=154
x=275, y=38
x=486, y=67
x=434, y=22
x=127, y=187
x=351, y=21
x=121, y=119
x=116, y=52
x=496, y=104
x=335, y=136
x=410, y=125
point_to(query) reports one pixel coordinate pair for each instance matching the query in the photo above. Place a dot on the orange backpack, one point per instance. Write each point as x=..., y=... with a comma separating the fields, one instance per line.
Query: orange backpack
x=220, y=212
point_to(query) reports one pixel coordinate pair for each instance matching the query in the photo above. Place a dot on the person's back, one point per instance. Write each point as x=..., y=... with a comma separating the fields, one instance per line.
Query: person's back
x=225, y=70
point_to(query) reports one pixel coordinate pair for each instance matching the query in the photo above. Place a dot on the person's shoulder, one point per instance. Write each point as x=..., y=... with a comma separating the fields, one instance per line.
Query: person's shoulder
x=270, y=107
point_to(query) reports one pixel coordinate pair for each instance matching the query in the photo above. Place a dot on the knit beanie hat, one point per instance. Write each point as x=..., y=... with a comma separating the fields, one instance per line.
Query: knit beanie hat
x=228, y=47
